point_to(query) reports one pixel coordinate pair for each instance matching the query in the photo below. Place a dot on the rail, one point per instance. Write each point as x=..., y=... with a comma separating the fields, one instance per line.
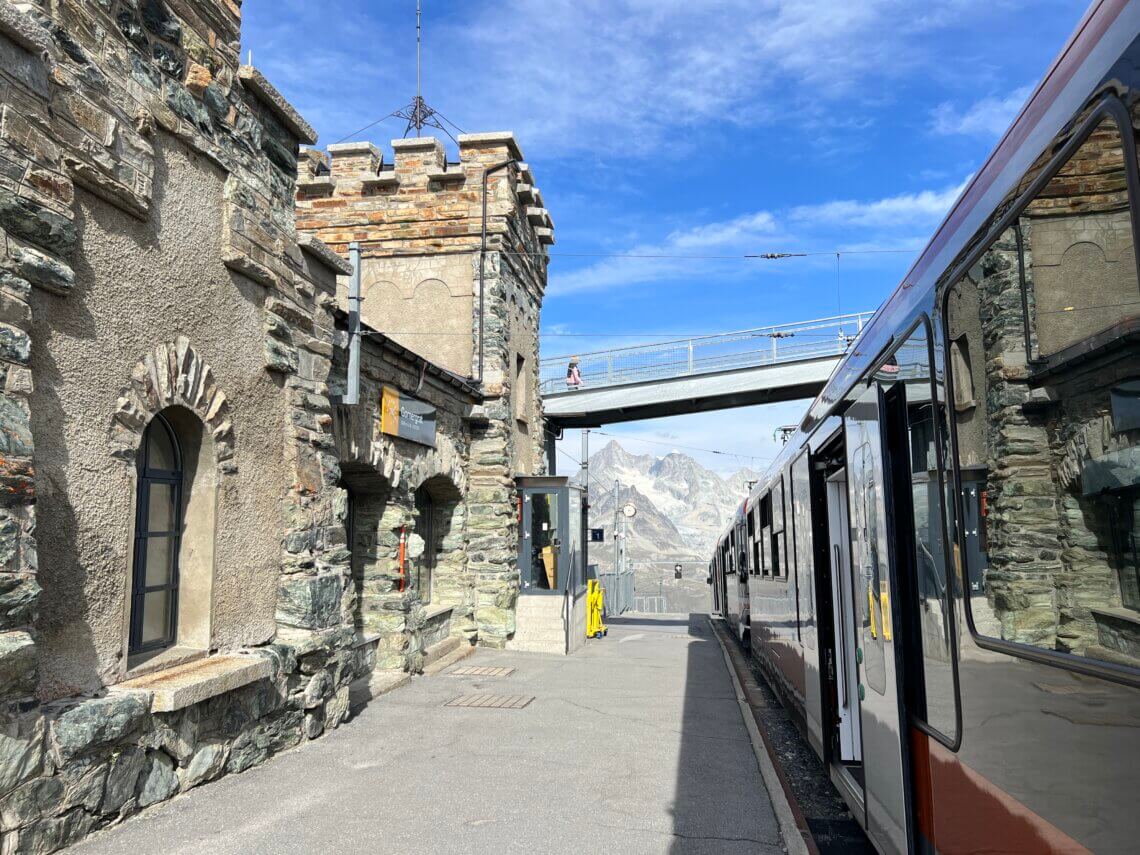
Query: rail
x=619, y=591
x=685, y=357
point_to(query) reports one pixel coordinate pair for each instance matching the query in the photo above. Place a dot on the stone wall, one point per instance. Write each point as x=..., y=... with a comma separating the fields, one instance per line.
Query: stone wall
x=419, y=222
x=383, y=474
x=150, y=263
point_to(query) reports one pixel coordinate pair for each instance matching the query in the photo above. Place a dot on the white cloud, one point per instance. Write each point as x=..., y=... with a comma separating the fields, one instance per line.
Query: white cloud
x=987, y=118
x=619, y=77
x=849, y=224
x=926, y=207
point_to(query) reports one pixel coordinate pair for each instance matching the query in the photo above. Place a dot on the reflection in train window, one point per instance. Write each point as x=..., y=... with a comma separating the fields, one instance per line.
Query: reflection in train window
x=1078, y=258
x=779, y=552
x=866, y=557
x=805, y=560
x=928, y=613
x=1049, y=469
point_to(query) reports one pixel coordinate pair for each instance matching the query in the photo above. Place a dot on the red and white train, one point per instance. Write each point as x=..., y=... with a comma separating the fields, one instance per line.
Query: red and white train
x=941, y=571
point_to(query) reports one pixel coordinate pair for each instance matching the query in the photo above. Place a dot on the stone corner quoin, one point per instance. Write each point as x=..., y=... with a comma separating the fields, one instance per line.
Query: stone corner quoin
x=173, y=328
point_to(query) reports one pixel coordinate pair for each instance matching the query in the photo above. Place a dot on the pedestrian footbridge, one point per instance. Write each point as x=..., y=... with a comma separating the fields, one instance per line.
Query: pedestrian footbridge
x=691, y=375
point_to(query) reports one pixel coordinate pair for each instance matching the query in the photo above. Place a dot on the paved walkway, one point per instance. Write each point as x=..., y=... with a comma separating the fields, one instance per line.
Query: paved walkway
x=633, y=745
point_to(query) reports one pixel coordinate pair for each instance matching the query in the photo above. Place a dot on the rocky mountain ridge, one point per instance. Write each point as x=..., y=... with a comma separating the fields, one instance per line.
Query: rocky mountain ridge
x=682, y=508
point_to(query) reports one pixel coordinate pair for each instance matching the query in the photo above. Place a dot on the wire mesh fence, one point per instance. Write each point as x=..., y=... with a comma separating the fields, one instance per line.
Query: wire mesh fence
x=619, y=591
x=706, y=354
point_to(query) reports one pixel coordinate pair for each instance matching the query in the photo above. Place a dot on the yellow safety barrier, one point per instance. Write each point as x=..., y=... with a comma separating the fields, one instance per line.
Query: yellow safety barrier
x=595, y=595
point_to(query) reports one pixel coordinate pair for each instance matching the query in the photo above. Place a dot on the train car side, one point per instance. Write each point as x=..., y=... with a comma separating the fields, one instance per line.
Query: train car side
x=941, y=570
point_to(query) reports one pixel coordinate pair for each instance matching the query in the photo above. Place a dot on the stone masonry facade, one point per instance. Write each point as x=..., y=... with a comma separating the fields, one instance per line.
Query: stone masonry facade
x=152, y=271
x=418, y=220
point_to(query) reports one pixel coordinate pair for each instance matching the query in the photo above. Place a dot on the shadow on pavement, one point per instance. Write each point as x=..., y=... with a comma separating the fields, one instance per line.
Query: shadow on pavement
x=720, y=803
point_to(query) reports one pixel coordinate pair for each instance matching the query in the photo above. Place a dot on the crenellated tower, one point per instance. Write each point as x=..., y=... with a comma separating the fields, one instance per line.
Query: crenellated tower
x=419, y=219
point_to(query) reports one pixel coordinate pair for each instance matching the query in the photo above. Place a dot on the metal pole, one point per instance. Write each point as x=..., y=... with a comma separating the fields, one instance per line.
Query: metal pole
x=690, y=356
x=419, y=73
x=352, y=392
x=483, y=257
x=617, y=515
x=586, y=467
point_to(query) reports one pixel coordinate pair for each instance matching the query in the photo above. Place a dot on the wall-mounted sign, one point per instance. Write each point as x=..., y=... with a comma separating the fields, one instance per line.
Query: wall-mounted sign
x=407, y=417
x=597, y=535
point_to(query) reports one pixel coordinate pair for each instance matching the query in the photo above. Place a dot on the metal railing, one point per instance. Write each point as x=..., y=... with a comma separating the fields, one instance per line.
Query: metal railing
x=706, y=354
x=619, y=591
x=654, y=605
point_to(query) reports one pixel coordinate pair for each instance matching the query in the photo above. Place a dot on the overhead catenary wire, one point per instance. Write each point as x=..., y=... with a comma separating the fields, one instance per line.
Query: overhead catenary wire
x=669, y=256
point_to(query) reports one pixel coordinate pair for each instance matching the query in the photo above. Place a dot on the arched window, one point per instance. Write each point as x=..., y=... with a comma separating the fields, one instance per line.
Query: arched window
x=158, y=532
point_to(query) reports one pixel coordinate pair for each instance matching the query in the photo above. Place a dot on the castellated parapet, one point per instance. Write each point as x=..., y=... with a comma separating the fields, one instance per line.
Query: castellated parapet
x=418, y=219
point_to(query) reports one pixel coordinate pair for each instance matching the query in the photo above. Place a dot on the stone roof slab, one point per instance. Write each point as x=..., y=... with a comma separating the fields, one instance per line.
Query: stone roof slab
x=321, y=252
x=267, y=93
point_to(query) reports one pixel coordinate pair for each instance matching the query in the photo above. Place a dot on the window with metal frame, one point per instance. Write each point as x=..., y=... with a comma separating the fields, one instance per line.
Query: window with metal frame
x=1041, y=328
x=779, y=547
x=915, y=425
x=802, y=537
x=158, y=536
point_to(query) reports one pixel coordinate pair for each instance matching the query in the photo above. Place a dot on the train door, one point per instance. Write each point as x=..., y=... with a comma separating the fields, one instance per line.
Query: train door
x=846, y=680
x=714, y=580
x=879, y=692
x=742, y=569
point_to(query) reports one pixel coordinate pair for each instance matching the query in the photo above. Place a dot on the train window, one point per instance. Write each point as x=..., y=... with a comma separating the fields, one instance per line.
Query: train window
x=1078, y=262
x=916, y=476
x=867, y=538
x=779, y=553
x=802, y=534
x=1049, y=468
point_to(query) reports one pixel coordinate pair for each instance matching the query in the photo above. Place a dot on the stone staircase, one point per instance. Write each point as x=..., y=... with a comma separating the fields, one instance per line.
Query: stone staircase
x=539, y=625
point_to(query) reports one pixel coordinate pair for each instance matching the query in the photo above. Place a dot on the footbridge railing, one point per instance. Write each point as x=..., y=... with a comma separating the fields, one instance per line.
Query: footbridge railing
x=684, y=357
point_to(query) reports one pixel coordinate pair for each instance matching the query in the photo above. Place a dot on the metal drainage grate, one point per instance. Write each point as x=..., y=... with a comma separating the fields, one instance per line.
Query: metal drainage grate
x=494, y=702
x=481, y=671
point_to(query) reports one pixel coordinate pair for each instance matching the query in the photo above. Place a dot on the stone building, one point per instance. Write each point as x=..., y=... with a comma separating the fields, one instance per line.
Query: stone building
x=201, y=548
x=419, y=222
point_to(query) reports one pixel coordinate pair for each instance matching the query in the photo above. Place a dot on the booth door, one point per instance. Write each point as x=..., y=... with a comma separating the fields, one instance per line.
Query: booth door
x=543, y=554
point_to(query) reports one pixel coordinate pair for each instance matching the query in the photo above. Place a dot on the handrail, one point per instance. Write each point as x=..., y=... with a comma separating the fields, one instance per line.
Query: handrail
x=703, y=354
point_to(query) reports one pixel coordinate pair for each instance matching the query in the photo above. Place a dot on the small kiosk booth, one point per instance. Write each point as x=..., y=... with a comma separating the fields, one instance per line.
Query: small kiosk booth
x=551, y=614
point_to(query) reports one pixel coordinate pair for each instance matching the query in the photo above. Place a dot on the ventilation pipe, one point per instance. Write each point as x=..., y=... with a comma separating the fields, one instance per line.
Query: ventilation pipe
x=352, y=393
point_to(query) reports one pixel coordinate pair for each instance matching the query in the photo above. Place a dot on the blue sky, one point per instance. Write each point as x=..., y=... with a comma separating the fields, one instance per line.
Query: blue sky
x=690, y=128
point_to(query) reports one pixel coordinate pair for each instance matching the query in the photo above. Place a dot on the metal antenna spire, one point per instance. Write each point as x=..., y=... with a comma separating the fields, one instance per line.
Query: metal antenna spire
x=419, y=114
x=419, y=59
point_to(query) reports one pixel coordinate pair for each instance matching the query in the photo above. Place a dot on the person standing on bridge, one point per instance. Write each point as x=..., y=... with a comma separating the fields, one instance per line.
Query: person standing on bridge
x=573, y=375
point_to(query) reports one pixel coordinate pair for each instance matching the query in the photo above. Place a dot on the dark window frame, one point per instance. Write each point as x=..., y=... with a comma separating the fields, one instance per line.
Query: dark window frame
x=1111, y=106
x=923, y=320
x=148, y=476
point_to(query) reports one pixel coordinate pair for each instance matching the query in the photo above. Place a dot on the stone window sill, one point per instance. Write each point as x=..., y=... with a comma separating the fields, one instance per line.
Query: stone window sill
x=192, y=682
x=147, y=663
x=432, y=612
